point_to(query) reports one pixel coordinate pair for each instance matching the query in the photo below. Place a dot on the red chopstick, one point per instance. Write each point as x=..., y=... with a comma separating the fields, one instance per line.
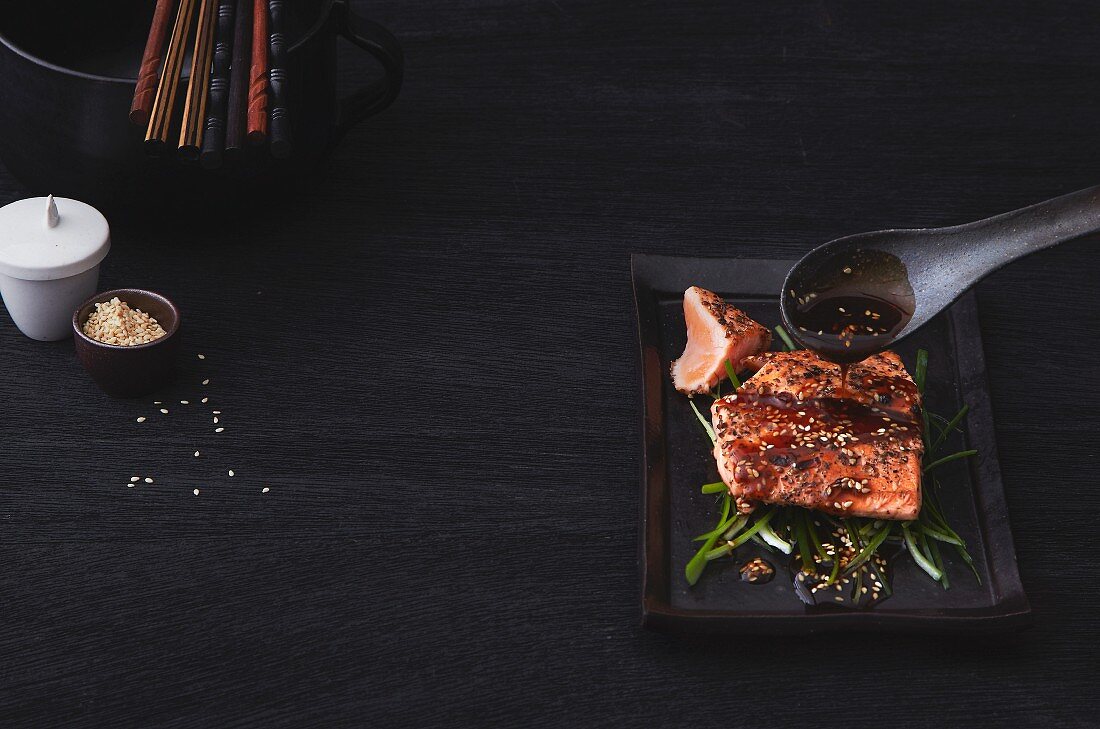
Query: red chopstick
x=149, y=73
x=258, y=81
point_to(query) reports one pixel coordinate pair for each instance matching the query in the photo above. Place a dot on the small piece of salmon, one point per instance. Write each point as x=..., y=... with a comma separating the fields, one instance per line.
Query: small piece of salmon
x=794, y=433
x=716, y=332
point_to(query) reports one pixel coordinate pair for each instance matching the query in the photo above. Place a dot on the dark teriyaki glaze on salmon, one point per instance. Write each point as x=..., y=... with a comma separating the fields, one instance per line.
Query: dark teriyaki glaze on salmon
x=801, y=431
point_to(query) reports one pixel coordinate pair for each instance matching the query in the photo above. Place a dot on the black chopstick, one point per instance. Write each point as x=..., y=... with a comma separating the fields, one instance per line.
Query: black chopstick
x=238, y=79
x=279, y=124
x=213, y=143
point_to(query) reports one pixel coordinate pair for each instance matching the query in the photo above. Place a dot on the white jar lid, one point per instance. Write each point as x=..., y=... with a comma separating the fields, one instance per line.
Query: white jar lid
x=38, y=244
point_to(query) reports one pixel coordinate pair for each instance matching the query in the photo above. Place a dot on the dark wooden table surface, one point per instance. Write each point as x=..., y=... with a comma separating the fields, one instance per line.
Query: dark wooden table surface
x=430, y=361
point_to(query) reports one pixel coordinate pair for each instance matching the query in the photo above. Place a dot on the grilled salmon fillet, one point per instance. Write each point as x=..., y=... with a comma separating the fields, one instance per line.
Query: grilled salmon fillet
x=716, y=332
x=794, y=433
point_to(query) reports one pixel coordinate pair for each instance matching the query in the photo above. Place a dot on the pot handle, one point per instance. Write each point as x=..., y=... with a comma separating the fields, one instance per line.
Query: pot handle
x=380, y=43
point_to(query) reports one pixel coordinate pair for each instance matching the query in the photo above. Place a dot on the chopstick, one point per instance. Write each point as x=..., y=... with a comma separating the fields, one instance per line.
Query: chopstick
x=213, y=142
x=238, y=79
x=279, y=125
x=160, y=118
x=146, y=88
x=194, y=110
x=257, y=88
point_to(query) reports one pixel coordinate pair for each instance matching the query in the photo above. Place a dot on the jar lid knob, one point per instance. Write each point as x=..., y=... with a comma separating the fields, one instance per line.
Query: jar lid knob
x=52, y=218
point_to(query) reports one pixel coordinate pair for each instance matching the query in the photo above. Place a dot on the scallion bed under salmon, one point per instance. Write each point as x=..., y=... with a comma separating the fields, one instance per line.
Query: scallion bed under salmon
x=796, y=432
x=801, y=435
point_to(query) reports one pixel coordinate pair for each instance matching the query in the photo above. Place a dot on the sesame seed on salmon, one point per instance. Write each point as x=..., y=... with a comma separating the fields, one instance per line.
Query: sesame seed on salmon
x=796, y=433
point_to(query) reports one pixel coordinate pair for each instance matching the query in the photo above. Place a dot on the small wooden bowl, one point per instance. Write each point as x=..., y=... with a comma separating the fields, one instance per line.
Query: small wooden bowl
x=130, y=371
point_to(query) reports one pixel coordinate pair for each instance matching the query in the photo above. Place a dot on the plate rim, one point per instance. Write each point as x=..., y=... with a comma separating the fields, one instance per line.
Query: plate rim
x=1011, y=609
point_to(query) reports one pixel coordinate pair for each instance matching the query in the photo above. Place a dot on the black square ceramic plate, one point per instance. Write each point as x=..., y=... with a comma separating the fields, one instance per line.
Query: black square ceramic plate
x=677, y=461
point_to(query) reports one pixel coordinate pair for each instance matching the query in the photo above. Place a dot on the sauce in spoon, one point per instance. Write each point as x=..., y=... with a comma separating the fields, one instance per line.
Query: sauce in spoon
x=852, y=306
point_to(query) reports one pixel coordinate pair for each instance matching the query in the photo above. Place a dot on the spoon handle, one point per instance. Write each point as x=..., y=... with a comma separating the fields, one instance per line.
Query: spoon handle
x=993, y=242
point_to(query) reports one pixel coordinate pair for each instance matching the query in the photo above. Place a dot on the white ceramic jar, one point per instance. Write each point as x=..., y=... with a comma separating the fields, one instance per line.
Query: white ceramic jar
x=50, y=250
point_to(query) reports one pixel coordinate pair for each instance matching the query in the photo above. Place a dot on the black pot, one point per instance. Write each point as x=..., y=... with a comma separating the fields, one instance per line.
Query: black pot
x=67, y=78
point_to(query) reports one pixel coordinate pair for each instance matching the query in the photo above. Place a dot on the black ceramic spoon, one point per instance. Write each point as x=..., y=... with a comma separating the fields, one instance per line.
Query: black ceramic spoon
x=858, y=295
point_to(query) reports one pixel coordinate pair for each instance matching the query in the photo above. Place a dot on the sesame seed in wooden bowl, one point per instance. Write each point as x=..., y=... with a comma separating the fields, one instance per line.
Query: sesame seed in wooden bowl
x=125, y=352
